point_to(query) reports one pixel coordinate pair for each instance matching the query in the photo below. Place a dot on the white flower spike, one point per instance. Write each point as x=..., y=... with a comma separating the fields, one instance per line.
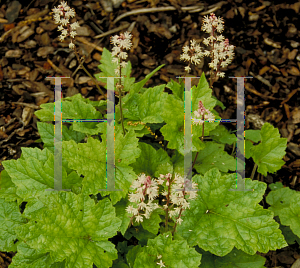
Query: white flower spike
x=121, y=42
x=221, y=52
x=61, y=16
x=144, y=185
x=192, y=54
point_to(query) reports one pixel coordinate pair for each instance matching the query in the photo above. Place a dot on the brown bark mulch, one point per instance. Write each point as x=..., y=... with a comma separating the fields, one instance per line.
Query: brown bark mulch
x=265, y=34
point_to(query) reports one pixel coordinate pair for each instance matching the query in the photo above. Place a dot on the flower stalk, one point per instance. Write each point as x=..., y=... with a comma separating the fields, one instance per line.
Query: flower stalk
x=221, y=54
x=62, y=15
x=121, y=43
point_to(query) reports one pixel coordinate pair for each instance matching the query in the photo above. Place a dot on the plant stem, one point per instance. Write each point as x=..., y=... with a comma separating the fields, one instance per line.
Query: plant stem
x=168, y=201
x=197, y=152
x=233, y=148
x=253, y=171
x=202, y=137
x=120, y=100
x=211, y=80
x=87, y=72
x=174, y=229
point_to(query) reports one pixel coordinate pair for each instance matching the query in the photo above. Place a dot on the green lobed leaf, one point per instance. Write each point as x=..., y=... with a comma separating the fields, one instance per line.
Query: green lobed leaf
x=289, y=236
x=72, y=108
x=131, y=255
x=152, y=162
x=248, y=146
x=152, y=224
x=204, y=93
x=8, y=188
x=33, y=173
x=177, y=89
x=89, y=159
x=139, y=233
x=146, y=257
x=173, y=115
x=248, y=226
x=10, y=218
x=122, y=214
x=269, y=153
x=235, y=259
x=28, y=257
x=250, y=137
x=46, y=132
x=46, y=113
x=72, y=228
x=173, y=131
x=286, y=204
x=222, y=135
x=275, y=186
x=100, y=104
x=253, y=135
x=214, y=156
x=174, y=253
x=131, y=100
x=42, y=155
x=280, y=199
x=144, y=107
x=108, y=67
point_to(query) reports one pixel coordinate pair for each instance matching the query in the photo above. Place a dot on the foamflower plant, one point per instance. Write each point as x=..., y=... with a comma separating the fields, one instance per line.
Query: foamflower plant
x=86, y=225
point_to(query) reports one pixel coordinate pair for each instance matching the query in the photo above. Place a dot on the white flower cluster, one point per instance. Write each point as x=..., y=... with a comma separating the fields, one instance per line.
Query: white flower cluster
x=178, y=197
x=61, y=16
x=145, y=185
x=221, y=52
x=212, y=22
x=203, y=111
x=120, y=42
x=195, y=54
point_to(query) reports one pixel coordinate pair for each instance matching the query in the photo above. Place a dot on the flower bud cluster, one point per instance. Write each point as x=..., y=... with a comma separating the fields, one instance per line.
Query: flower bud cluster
x=121, y=43
x=145, y=185
x=203, y=111
x=221, y=52
x=61, y=16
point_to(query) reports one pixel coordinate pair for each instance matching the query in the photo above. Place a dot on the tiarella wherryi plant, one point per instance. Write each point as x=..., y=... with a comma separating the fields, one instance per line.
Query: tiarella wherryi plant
x=173, y=228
